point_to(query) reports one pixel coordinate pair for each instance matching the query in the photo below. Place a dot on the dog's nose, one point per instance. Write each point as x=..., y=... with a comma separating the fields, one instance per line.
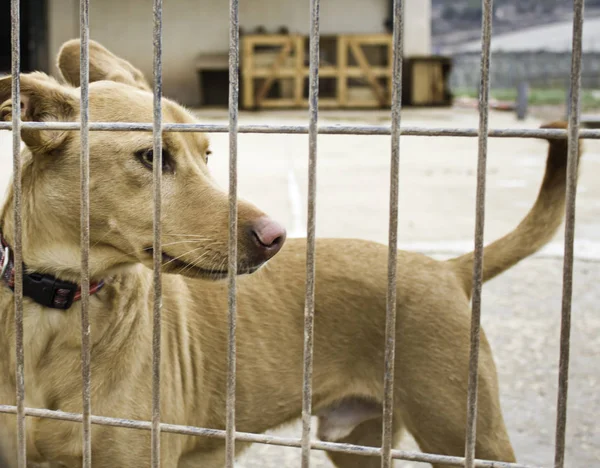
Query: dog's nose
x=269, y=236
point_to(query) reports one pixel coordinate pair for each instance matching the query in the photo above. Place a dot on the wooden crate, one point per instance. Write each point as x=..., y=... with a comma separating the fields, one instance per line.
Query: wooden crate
x=355, y=66
x=267, y=59
x=275, y=70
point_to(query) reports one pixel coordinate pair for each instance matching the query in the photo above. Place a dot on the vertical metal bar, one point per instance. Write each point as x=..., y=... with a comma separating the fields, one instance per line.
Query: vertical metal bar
x=84, y=67
x=484, y=91
x=18, y=246
x=573, y=157
x=309, y=301
x=157, y=241
x=390, y=314
x=234, y=65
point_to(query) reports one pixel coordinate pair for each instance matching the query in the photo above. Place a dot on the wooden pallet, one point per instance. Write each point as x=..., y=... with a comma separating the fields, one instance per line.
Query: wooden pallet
x=268, y=60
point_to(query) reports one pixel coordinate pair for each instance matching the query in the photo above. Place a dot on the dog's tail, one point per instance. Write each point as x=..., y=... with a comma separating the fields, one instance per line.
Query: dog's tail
x=535, y=230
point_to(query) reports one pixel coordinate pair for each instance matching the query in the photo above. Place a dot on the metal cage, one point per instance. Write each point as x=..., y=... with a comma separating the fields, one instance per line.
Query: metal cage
x=386, y=452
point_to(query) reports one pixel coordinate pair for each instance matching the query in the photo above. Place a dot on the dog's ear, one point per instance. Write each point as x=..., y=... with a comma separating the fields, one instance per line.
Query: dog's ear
x=43, y=99
x=104, y=65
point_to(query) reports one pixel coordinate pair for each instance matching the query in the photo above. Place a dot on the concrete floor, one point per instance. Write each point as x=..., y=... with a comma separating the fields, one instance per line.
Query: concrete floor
x=521, y=309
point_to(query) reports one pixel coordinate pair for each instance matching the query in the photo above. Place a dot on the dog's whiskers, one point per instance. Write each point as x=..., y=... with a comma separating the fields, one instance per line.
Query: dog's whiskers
x=136, y=251
x=214, y=256
x=186, y=235
x=177, y=242
x=195, y=263
x=184, y=254
x=102, y=238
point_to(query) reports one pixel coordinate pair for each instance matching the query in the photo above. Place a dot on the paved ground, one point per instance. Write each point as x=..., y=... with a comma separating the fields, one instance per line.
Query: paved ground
x=521, y=309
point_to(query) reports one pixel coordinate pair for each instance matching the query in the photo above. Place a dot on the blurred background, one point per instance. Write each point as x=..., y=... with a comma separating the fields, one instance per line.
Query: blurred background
x=531, y=49
x=531, y=57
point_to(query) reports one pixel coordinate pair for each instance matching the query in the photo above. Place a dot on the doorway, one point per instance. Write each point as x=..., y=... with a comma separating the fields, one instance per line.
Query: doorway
x=33, y=33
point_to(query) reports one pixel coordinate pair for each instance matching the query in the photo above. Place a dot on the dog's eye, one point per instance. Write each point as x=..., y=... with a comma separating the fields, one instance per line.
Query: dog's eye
x=146, y=157
x=207, y=154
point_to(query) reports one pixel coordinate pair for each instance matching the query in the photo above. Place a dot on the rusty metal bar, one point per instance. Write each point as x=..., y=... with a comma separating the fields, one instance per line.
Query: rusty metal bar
x=309, y=300
x=390, y=314
x=484, y=93
x=567, y=294
x=234, y=65
x=18, y=231
x=303, y=129
x=573, y=134
x=261, y=438
x=84, y=73
x=157, y=241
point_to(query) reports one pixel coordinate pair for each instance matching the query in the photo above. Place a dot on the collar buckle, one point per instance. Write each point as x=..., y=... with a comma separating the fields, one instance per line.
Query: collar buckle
x=49, y=291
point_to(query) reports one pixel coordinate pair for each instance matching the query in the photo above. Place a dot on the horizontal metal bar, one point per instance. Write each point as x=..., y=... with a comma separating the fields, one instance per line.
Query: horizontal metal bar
x=261, y=438
x=303, y=129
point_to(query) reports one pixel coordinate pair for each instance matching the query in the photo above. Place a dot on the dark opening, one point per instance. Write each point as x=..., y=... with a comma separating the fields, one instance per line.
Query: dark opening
x=34, y=36
x=214, y=88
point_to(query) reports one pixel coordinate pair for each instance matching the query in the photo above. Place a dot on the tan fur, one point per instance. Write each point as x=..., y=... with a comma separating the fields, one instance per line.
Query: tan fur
x=537, y=228
x=433, y=301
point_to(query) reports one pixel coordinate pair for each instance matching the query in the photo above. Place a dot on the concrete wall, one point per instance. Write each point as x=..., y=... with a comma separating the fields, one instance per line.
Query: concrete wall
x=191, y=27
x=63, y=24
x=417, y=27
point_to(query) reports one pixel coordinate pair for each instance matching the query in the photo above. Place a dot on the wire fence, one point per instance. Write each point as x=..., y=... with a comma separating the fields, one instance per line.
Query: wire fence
x=386, y=451
x=544, y=69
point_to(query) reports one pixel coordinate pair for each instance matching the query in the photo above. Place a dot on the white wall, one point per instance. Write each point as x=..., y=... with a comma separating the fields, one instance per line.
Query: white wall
x=63, y=24
x=337, y=16
x=191, y=27
x=417, y=27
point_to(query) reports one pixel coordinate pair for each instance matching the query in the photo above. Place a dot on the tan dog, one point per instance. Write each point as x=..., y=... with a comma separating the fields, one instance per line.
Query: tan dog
x=433, y=299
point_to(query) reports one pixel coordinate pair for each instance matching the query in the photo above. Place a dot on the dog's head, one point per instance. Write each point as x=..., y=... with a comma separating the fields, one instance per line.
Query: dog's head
x=195, y=211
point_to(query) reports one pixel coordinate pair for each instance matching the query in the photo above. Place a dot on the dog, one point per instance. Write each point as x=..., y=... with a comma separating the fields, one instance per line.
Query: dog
x=433, y=303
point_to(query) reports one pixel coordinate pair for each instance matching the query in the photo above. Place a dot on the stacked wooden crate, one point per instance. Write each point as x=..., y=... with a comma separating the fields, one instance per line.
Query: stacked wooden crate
x=355, y=71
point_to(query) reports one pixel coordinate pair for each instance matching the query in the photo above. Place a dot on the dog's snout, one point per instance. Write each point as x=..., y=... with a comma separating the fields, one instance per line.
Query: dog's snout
x=268, y=236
